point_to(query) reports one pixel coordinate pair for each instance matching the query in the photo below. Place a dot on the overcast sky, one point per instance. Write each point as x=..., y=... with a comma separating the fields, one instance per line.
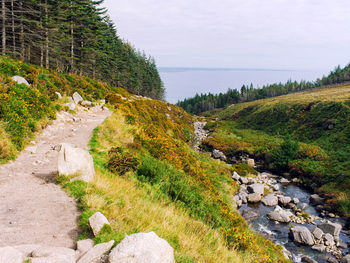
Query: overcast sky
x=277, y=34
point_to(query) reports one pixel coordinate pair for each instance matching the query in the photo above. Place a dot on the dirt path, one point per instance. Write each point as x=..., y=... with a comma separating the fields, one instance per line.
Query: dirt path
x=33, y=210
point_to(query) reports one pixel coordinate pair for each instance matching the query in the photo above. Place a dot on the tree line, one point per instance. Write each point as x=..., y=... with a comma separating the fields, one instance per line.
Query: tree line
x=206, y=102
x=76, y=36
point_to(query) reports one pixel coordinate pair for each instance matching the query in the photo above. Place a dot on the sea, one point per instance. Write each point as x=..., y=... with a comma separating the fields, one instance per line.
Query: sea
x=181, y=83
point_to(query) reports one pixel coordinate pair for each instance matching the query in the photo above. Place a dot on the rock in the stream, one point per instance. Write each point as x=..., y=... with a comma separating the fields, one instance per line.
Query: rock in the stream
x=20, y=80
x=254, y=198
x=76, y=162
x=307, y=259
x=142, y=247
x=250, y=214
x=318, y=233
x=70, y=105
x=256, y=188
x=332, y=260
x=97, y=221
x=284, y=182
x=219, y=155
x=329, y=240
x=96, y=253
x=244, y=197
x=236, y=176
x=251, y=162
x=315, y=199
x=270, y=200
x=243, y=180
x=280, y=215
x=301, y=235
x=284, y=200
x=345, y=259
x=295, y=200
x=319, y=247
x=331, y=228
x=77, y=98
x=276, y=187
x=10, y=255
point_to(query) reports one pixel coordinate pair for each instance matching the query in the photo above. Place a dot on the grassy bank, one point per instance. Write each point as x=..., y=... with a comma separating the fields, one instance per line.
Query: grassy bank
x=317, y=122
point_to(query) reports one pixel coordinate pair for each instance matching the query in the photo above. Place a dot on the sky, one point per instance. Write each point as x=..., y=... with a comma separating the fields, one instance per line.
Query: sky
x=269, y=34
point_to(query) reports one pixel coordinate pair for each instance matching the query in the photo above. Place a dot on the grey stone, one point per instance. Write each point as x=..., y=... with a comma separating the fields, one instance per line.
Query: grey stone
x=73, y=161
x=315, y=199
x=142, y=248
x=86, y=103
x=83, y=246
x=319, y=247
x=256, y=188
x=59, y=96
x=20, y=80
x=345, y=259
x=332, y=260
x=219, y=155
x=53, y=259
x=244, y=197
x=284, y=182
x=96, y=253
x=276, y=187
x=26, y=250
x=254, y=198
x=250, y=214
x=243, y=180
x=10, y=255
x=307, y=259
x=318, y=233
x=280, y=215
x=97, y=221
x=296, y=200
x=251, y=162
x=331, y=228
x=53, y=252
x=77, y=98
x=301, y=235
x=284, y=200
x=270, y=200
x=329, y=239
x=236, y=176
x=70, y=105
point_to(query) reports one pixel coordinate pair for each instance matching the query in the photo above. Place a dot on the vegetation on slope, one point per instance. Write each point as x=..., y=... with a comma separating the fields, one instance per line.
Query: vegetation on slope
x=208, y=102
x=77, y=37
x=306, y=134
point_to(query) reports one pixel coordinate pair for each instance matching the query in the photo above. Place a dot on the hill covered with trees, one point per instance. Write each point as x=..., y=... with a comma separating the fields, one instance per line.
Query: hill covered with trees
x=76, y=37
x=207, y=102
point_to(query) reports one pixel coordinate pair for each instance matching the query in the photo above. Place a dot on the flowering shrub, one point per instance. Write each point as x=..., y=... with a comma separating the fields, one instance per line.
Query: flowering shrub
x=120, y=161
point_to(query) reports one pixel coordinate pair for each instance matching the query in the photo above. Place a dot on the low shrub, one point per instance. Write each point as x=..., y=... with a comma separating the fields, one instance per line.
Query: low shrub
x=121, y=161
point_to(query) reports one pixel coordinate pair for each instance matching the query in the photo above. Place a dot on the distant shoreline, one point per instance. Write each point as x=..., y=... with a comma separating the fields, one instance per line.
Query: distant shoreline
x=183, y=69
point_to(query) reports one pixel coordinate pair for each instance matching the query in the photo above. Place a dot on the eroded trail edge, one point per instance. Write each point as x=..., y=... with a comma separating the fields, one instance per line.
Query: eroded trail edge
x=33, y=209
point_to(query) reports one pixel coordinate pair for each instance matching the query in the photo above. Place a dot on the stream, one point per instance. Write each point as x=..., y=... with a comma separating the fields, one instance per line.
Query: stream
x=276, y=231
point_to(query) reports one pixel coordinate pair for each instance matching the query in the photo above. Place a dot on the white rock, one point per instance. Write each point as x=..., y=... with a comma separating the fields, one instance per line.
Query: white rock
x=318, y=233
x=53, y=251
x=284, y=200
x=77, y=98
x=53, y=259
x=70, y=105
x=95, y=253
x=59, y=96
x=302, y=235
x=254, y=198
x=280, y=215
x=235, y=176
x=251, y=162
x=270, y=200
x=142, y=248
x=329, y=239
x=243, y=180
x=86, y=103
x=319, y=247
x=76, y=162
x=20, y=80
x=97, y=221
x=10, y=255
x=345, y=259
x=26, y=249
x=84, y=245
x=284, y=181
x=256, y=188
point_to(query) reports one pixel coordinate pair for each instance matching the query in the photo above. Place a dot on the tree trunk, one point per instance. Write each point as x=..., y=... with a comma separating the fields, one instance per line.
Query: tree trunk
x=21, y=35
x=71, y=47
x=3, y=16
x=46, y=37
x=13, y=29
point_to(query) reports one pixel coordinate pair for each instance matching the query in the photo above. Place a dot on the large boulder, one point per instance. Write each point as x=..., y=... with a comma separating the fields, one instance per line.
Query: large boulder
x=270, y=200
x=318, y=233
x=331, y=228
x=142, y=248
x=254, y=198
x=307, y=259
x=83, y=246
x=10, y=255
x=345, y=259
x=315, y=199
x=76, y=162
x=70, y=105
x=250, y=214
x=243, y=180
x=235, y=176
x=301, y=235
x=280, y=215
x=256, y=188
x=284, y=200
x=20, y=80
x=77, y=98
x=329, y=240
x=97, y=221
x=96, y=253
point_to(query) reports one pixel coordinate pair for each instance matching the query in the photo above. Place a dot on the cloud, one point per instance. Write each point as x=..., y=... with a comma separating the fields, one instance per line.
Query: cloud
x=231, y=33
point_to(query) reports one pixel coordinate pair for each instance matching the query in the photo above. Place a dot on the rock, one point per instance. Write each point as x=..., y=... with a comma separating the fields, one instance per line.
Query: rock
x=86, y=103
x=331, y=228
x=53, y=252
x=329, y=240
x=345, y=259
x=342, y=245
x=332, y=260
x=219, y=155
x=20, y=80
x=236, y=176
x=250, y=214
x=319, y=247
x=331, y=215
x=70, y=105
x=295, y=200
x=77, y=98
x=26, y=250
x=243, y=180
x=53, y=259
x=270, y=200
x=10, y=255
x=76, y=162
x=284, y=182
x=254, y=198
x=280, y=215
x=318, y=233
x=276, y=187
x=59, y=96
x=96, y=253
x=301, y=235
x=97, y=221
x=251, y=162
x=307, y=259
x=83, y=246
x=315, y=199
x=244, y=197
x=256, y=188
x=142, y=247
x=284, y=200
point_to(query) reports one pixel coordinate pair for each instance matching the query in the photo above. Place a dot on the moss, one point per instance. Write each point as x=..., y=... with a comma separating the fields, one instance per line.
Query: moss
x=244, y=169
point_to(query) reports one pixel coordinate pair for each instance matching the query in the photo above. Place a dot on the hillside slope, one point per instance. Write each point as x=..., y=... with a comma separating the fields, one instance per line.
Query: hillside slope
x=317, y=120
